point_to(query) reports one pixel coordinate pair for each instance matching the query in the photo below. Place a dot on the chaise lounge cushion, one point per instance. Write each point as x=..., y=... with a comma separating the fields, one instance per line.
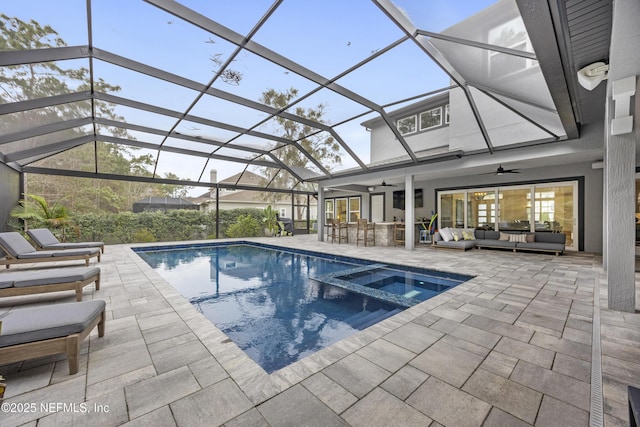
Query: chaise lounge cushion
x=29, y=324
x=45, y=239
x=49, y=276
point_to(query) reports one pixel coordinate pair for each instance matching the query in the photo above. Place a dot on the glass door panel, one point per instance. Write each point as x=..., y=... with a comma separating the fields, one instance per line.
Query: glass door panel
x=451, y=210
x=556, y=211
x=514, y=209
x=481, y=209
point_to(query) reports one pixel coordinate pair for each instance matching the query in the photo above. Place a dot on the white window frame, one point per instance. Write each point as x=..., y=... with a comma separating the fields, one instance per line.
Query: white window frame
x=439, y=112
x=415, y=124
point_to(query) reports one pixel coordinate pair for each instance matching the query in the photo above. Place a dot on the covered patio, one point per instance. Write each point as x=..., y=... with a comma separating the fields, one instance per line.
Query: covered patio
x=523, y=343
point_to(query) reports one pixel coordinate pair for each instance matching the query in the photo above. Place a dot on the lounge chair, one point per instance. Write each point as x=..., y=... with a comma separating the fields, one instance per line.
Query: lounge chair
x=28, y=282
x=45, y=240
x=31, y=332
x=19, y=251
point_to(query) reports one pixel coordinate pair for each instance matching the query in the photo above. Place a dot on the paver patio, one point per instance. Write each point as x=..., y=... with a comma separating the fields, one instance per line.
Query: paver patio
x=512, y=346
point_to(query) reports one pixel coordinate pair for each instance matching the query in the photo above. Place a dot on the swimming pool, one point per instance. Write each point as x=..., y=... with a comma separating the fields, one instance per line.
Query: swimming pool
x=280, y=305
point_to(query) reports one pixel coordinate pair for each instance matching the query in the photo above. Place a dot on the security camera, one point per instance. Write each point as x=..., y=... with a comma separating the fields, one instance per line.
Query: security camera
x=590, y=76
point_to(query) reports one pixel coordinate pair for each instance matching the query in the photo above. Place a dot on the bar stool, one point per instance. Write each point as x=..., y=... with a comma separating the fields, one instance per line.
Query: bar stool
x=331, y=229
x=364, y=227
x=398, y=232
x=339, y=226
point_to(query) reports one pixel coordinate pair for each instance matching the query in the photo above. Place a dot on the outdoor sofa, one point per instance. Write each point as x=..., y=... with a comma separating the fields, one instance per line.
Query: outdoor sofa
x=540, y=241
x=29, y=332
x=19, y=251
x=45, y=240
x=28, y=282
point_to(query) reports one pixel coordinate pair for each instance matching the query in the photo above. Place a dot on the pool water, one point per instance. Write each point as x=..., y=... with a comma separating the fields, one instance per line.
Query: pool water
x=279, y=305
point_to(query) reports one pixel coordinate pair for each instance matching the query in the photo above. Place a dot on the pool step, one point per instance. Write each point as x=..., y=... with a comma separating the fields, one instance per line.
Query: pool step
x=365, y=319
x=380, y=318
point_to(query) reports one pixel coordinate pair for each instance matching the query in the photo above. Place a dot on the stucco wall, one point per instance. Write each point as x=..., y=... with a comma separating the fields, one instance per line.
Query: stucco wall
x=9, y=193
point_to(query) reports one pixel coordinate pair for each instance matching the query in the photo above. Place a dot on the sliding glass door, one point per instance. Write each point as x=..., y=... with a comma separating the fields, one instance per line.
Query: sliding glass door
x=551, y=207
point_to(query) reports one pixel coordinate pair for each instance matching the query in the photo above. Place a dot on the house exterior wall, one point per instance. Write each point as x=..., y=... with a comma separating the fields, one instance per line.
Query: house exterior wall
x=9, y=193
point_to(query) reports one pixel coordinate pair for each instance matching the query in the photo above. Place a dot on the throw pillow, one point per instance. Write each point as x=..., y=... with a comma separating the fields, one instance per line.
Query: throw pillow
x=519, y=238
x=456, y=237
x=504, y=237
x=456, y=232
x=531, y=238
x=446, y=234
x=468, y=235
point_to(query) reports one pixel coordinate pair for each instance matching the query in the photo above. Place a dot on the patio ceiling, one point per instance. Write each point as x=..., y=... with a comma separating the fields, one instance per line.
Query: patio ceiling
x=175, y=63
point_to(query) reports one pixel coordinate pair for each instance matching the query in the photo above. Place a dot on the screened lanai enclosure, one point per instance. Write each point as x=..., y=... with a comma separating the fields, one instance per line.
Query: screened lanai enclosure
x=283, y=89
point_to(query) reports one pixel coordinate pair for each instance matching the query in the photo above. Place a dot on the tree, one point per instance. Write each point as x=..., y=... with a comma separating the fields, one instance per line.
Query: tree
x=173, y=190
x=36, y=211
x=325, y=149
x=39, y=80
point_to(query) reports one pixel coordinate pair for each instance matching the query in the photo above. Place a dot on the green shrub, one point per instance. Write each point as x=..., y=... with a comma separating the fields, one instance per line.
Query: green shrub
x=246, y=226
x=175, y=225
x=143, y=236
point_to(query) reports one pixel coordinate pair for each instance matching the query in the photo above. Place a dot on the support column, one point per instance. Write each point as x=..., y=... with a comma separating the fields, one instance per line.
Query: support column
x=619, y=169
x=409, y=213
x=321, y=213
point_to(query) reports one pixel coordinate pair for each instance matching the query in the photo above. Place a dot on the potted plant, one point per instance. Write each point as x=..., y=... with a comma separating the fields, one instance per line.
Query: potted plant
x=270, y=221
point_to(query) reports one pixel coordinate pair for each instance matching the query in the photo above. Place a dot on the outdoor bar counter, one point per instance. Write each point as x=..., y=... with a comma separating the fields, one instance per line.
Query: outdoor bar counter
x=384, y=233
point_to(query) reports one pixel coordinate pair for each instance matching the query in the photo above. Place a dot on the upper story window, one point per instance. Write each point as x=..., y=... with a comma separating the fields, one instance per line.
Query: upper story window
x=407, y=125
x=430, y=119
x=426, y=120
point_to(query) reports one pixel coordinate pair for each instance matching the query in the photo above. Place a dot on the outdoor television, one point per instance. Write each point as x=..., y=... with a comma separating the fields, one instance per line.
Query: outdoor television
x=398, y=199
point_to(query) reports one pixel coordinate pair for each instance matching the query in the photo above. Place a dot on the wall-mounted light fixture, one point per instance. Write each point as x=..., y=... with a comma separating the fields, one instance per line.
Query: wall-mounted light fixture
x=623, y=90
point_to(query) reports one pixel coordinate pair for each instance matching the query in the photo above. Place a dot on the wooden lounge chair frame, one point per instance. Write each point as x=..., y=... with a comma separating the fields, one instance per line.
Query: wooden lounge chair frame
x=76, y=286
x=10, y=259
x=70, y=345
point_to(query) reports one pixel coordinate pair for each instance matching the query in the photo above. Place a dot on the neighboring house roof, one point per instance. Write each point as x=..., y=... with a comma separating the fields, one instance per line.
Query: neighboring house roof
x=163, y=203
x=169, y=201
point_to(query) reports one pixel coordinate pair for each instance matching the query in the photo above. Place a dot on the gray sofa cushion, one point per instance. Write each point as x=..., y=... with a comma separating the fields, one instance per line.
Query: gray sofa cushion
x=29, y=324
x=479, y=234
x=460, y=244
x=49, y=276
x=491, y=235
x=551, y=237
x=542, y=246
x=495, y=243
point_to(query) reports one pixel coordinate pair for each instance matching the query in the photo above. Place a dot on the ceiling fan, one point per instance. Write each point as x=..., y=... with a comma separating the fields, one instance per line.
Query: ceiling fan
x=384, y=184
x=502, y=171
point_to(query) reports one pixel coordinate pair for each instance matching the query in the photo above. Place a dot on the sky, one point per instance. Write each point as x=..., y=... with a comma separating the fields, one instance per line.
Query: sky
x=327, y=37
